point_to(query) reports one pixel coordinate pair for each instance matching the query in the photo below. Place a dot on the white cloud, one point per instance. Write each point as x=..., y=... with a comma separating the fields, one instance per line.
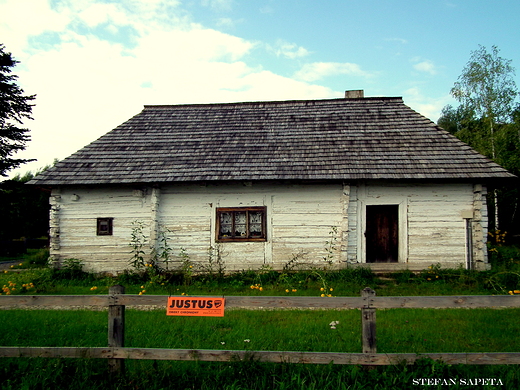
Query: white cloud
x=218, y=5
x=429, y=107
x=426, y=66
x=87, y=85
x=225, y=22
x=21, y=20
x=288, y=50
x=319, y=70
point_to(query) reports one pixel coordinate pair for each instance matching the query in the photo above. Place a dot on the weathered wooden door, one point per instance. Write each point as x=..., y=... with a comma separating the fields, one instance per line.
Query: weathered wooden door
x=382, y=239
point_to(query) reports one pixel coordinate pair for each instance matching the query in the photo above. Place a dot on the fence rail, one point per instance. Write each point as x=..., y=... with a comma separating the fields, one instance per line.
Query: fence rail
x=247, y=302
x=116, y=353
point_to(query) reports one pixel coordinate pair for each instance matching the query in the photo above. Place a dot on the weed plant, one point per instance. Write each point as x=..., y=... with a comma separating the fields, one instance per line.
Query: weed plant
x=294, y=279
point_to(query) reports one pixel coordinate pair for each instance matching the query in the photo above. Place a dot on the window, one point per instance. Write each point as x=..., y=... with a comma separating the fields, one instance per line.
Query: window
x=104, y=226
x=241, y=224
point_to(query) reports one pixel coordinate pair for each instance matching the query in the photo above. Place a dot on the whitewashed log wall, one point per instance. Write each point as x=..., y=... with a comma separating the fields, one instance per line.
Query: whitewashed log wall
x=300, y=218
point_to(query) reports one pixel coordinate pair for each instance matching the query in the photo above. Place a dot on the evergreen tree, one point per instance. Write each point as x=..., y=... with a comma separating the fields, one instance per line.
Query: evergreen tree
x=14, y=108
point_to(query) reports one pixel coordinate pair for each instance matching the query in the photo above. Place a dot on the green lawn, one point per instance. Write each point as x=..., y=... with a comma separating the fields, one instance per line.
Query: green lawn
x=398, y=330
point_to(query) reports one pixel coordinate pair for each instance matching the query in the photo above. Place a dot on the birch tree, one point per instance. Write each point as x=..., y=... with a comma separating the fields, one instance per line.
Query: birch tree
x=487, y=88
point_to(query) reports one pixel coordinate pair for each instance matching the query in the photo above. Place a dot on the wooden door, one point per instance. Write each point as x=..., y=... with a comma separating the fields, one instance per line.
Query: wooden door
x=382, y=242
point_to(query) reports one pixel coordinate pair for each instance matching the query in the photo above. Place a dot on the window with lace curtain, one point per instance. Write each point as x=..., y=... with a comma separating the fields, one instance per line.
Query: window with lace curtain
x=241, y=224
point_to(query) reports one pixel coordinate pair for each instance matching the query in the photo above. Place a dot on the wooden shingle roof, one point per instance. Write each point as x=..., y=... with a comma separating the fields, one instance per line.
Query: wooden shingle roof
x=333, y=139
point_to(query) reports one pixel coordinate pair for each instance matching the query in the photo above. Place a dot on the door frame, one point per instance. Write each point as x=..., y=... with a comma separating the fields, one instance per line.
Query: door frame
x=402, y=227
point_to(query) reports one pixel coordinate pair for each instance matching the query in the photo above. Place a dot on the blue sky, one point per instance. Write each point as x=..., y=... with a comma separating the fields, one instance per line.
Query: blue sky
x=94, y=63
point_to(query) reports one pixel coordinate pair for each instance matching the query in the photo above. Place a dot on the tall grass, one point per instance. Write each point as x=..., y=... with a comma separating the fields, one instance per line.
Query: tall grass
x=399, y=330
x=346, y=282
x=43, y=374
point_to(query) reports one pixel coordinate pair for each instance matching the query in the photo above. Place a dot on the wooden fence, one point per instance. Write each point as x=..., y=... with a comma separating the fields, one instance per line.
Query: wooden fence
x=368, y=303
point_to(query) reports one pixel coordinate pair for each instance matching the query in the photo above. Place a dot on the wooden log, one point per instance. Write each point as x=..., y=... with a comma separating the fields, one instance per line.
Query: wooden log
x=378, y=302
x=57, y=352
x=116, y=330
x=257, y=302
x=377, y=359
x=447, y=302
x=56, y=301
x=368, y=322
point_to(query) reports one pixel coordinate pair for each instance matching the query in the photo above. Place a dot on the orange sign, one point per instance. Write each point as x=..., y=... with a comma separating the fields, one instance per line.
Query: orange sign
x=193, y=306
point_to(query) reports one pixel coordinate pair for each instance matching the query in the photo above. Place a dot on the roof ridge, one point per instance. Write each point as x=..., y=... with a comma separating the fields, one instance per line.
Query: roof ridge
x=253, y=102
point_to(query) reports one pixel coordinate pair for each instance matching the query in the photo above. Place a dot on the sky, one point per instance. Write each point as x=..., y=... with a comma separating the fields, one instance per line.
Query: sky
x=93, y=64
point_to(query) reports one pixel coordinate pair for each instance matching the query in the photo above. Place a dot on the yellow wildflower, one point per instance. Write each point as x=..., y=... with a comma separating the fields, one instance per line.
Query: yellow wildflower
x=517, y=291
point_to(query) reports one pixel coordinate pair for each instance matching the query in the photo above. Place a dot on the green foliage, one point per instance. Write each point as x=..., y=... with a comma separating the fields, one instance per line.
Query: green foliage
x=487, y=86
x=330, y=246
x=162, y=255
x=14, y=108
x=488, y=119
x=137, y=244
x=24, y=209
x=216, y=266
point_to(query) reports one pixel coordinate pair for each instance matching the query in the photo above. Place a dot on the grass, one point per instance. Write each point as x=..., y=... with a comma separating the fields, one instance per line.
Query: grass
x=399, y=330
x=36, y=374
x=315, y=282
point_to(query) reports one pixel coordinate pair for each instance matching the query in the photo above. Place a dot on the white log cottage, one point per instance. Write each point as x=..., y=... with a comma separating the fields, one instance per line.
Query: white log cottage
x=267, y=181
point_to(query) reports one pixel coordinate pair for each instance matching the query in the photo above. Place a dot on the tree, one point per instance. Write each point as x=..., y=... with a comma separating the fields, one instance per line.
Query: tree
x=453, y=120
x=14, y=108
x=24, y=209
x=486, y=90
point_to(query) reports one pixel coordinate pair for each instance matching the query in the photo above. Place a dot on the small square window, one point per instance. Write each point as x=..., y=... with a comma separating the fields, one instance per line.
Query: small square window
x=104, y=226
x=241, y=224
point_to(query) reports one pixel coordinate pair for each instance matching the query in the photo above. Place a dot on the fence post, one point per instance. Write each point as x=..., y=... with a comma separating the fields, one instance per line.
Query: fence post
x=116, y=330
x=368, y=322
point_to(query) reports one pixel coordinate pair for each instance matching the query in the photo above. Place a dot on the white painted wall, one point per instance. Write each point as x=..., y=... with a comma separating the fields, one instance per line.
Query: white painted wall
x=300, y=218
x=431, y=225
